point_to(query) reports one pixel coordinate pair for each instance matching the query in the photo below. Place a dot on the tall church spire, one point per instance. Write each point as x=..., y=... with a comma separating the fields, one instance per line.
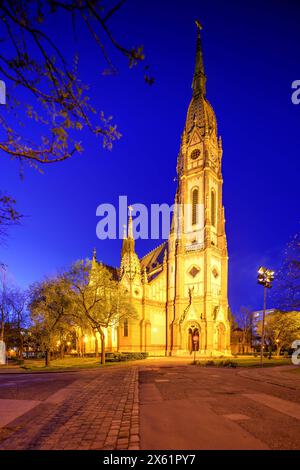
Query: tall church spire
x=128, y=240
x=130, y=264
x=130, y=228
x=199, y=80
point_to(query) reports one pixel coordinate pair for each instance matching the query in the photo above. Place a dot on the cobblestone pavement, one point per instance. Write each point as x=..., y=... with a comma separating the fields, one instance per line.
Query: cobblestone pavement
x=175, y=406
x=97, y=410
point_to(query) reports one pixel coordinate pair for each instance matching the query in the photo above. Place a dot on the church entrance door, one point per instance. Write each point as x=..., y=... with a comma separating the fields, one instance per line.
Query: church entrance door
x=193, y=339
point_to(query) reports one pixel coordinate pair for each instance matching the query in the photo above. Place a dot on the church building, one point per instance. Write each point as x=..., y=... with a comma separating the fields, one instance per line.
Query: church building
x=180, y=288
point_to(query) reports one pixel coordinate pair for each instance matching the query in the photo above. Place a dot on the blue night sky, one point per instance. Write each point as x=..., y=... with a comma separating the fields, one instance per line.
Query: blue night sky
x=251, y=56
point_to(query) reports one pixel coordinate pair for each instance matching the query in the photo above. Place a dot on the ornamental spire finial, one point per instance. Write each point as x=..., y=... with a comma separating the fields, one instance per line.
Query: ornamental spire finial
x=199, y=81
x=198, y=24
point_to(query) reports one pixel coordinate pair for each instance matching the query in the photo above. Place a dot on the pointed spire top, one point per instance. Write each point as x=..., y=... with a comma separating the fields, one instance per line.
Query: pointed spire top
x=199, y=25
x=128, y=240
x=130, y=228
x=199, y=81
x=94, y=254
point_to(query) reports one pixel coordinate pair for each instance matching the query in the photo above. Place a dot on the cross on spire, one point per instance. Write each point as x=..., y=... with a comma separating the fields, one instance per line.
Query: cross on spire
x=198, y=24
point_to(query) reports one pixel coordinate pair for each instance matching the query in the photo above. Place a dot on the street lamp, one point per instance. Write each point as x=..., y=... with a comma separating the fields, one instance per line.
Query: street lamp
x=265, y=278
x=277, y=345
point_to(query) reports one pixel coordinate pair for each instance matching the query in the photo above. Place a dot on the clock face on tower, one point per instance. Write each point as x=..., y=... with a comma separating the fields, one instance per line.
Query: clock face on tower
x=195, y=154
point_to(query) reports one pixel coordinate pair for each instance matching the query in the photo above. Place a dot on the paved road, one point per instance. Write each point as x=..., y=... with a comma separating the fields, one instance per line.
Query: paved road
x=212, y=408
x=156, y=404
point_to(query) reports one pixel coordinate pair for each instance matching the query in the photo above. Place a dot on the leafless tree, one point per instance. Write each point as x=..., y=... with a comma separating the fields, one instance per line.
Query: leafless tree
x=286, y=294
x=4, y=303
x=245, y=322
x=8, y=214
x=43, y=84
x=19, y=316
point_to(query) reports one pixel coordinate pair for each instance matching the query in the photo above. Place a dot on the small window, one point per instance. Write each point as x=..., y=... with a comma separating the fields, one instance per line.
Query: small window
x=213, y=208
x=125, y=327
x=195, y=198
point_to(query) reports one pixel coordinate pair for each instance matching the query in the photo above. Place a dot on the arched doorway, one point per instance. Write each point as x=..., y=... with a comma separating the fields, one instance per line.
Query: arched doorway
x=193, y=339
x=221, y=337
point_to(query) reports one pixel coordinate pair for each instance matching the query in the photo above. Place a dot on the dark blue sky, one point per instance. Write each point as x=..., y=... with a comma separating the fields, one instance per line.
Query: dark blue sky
x=251, y=55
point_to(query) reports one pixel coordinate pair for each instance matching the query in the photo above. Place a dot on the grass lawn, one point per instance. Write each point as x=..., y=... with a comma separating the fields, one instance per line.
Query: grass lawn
x=76, y=363
x=250, y=361
x=255, y=361
x=62, y=364
x=294, y=371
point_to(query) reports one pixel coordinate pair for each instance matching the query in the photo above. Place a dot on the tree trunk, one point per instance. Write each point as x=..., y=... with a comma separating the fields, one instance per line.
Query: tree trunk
x=2, y=331
x=102, y=337
x=96, y=347
x=278, y=349
x=21, y=347
x=62, y=351
x=47, y=358
x=78, y=346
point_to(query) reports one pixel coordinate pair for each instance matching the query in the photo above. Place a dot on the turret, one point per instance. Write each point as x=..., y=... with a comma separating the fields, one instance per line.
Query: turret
x=130, y=264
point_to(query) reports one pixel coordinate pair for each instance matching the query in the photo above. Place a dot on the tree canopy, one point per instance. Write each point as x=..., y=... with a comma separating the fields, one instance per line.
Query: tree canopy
x=43, y=83
x=98, y=297
x=286, y=294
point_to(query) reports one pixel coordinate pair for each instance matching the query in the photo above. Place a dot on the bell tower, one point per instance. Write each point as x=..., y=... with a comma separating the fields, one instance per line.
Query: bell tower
x=197, y=254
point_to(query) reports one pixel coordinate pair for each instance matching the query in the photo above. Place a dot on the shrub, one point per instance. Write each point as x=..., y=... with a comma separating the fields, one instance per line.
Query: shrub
x=209, y=364
x=203, y=363
x=112, y=357
x=133, y=356
x=125, y=356
x=228, y=363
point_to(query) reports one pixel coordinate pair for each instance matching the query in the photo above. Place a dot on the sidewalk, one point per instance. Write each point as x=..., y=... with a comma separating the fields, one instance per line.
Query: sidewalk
x=96, y=411
x=274, y=376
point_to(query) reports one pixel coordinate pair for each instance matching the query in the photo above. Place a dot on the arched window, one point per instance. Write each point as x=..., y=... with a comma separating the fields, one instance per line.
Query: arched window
x=213, y=207
x=195, y=202
x=125, y=326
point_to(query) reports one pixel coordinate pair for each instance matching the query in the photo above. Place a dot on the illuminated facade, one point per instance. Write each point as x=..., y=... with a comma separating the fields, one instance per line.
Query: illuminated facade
x=180, y=288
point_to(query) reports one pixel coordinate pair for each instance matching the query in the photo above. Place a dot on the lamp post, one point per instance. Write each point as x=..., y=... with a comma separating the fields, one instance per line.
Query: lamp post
x=277, y=347
x=265, y=278
x=3, y=357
